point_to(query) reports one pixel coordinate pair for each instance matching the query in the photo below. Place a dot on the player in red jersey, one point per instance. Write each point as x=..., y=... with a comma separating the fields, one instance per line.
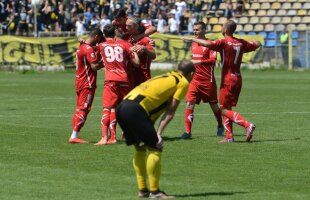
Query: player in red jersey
x=115, y=53
x=120, y=18
x=231, y=50
x=87, y=65
x=145, y=49
x=203, y=85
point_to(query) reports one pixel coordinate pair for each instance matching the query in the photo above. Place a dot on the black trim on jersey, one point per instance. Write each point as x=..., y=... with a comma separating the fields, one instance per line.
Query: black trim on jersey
x=176, y=79
x=139, y=98
x=159, y=108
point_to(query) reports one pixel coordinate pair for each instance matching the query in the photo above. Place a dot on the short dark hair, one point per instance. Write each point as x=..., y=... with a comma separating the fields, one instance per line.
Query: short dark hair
x=202, y=24
x=109, y=30
x=96, y=32
x=119, y=13
x=231, y=26
x=186, y=67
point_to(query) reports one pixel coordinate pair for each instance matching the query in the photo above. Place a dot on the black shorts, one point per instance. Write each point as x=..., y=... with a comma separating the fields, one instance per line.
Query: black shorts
x=136, y=125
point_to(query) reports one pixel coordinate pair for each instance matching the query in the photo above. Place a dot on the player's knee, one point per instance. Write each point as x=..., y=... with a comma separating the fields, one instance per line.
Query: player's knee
x=140, y=148
x=190, y=105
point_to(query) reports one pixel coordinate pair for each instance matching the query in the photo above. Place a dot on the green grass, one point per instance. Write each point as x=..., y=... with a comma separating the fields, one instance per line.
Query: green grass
x=36, y=162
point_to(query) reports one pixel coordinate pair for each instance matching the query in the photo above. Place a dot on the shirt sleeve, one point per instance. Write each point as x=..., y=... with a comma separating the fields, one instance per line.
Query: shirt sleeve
x=249, y=46
x=181, y=90
x=148, y=44
x=217, y=45
x=91, y=55
x=128, y=51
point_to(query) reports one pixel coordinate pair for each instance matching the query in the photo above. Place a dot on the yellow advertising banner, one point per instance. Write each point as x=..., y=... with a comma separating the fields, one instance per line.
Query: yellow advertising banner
x=60, y=51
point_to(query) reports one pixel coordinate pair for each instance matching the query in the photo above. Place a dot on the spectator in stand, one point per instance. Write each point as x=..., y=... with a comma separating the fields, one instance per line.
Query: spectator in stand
x=181, y=8
x=198, y=9
x=173, y=25
x=147, y=19
x=88, y=16
x=79, y=26
x=216, y=4
x=94, y=22
x=161, y=24
x=163, y=9
x=22, y=27
x=3, y=10
x=240, y=7
x=229, y=9
x=190, y=25
x=144, y=8
x=104, y=21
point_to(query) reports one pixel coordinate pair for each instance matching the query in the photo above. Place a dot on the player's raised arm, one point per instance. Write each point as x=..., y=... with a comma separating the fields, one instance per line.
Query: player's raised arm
x=202, y=42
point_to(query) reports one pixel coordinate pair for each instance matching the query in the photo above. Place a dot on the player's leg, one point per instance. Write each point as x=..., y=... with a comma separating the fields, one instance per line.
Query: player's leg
x=105, y=121
x=218, y=115
x=112, y=127
x=139, y=165
x=84, y=99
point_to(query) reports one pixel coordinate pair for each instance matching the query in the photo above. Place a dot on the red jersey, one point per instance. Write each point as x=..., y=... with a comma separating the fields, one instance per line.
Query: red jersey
x=143, y=73
x=115, y=56
x=124, y=29
x=85, y=76
x=204, y=72
x=231, y=50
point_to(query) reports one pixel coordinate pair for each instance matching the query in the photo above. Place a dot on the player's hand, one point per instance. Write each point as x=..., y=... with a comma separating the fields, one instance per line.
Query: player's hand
x=196, y=62
x=139, y=49
x=259, y=44
x=81, y=40
x=160, y=143
x=187, y=39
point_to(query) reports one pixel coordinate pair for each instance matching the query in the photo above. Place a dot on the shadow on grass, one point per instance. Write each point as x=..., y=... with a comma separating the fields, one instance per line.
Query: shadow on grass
x=205, y=194
x=273, y=140
x=165, y=138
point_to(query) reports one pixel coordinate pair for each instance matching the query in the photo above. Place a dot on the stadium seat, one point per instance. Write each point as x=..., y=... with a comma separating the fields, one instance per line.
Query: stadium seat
x=302, y=1
x=275, y=6
x=222, y=20
x=255, y=6
x=247, y=6
x=213, y=20
x=261, y=13
x=286, y=6
x=248, y=28
x=258, y=27
x=254, y=20
x=239, y=28
x=269, y=27
x=271, y=35
x=217, y=28
x=271, y=13
x=251, y=13
x=296, y=6
x=276, y=20
x=291, y=27
x=270, y=43
x=282, y=1
x=264, y=20
x=243, y=20
x=294, y=43
x=306, y=5
x=240, y=33
x=281, y=12
x=263, y=33
x=265, y=6
x=301, y=27
x=286, y=20
x=296, y=19
x=291, y=12
x=222, y=6
x=306, y=19
x=295, y=34
x=252, y=33
x=280, y=27
x=302, y=12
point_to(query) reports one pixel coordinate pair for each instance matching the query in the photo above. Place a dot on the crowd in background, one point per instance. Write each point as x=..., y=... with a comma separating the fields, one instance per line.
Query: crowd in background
x=79, y=16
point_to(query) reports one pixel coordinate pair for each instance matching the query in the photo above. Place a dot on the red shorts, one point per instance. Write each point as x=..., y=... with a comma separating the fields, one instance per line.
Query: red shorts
x=205, y=92
x=113, y=93
x=229, y=92
x=84, y=98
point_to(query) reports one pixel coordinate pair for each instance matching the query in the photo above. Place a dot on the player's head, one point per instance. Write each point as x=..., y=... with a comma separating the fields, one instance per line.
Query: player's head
x=95, y=36
x=187, y=68
x=109, y=31
x=199, y=29
x=229, y=27
x=133, y=25
x=120, y=17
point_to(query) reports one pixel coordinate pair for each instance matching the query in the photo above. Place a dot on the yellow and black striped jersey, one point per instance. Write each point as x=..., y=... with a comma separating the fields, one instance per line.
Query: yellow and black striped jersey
x=155, y=94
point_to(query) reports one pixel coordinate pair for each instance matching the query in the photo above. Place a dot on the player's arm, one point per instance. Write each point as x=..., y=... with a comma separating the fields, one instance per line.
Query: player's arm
x=251, y=46
x=202, y=42
x=166, y=119
x=149, y=30
x=149, y=50
x=210, y=61
x=94, y=59
x=135, y=61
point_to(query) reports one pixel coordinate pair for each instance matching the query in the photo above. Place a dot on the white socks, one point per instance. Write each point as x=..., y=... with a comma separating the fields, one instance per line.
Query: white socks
x=75, y=134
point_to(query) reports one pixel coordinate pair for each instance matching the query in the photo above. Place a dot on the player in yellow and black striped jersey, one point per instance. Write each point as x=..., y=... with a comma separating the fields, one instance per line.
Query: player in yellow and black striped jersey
x=137, y=114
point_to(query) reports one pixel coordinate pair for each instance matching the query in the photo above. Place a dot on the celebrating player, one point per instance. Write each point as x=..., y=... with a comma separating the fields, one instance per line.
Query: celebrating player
x=87, y=65
x=203, y=86
x=136, y=115
x=120, y=18
x=231, y=50
x=115, y=53
x=145, y=49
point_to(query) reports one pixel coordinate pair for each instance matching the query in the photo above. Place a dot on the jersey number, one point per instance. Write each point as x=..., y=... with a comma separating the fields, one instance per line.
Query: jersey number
x=237, y=49
x=113, y=54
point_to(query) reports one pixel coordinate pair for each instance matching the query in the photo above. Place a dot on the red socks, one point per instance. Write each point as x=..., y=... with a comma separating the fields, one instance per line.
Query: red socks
x=189, y=118
x=112, y=125
x=237, y=118
x=105, y=121
x=228, y=127
x=79, y=119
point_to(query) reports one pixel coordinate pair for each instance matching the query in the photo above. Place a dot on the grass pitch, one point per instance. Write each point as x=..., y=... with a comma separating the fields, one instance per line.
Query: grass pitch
x=37, y=162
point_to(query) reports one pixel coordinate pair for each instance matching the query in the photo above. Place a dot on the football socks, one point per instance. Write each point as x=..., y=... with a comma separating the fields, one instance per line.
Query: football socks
x=139, y=165
x=153, y=169
x=189, y=118
x=105, y=121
